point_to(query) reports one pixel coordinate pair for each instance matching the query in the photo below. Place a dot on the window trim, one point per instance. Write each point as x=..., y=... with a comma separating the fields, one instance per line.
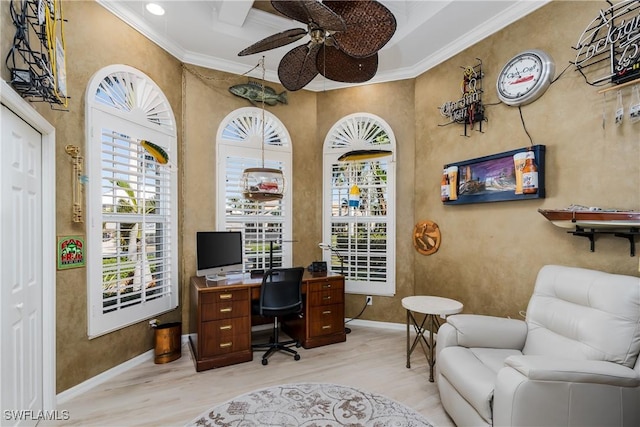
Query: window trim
x=330, y=157
x=98, y=322
x=251, y=147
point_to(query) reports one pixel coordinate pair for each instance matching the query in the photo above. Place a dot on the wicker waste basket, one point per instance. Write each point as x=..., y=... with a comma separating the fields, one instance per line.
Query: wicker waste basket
x=168, y=342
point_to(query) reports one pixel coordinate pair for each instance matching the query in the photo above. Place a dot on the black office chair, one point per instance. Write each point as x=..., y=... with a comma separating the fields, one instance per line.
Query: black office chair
x=280, y=295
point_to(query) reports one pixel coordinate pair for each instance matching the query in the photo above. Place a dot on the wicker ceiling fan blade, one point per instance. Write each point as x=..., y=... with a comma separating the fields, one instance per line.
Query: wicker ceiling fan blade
x=370, y=25
x=337, y=65
x=298, y=67
x=310, y=12
x=274, y=41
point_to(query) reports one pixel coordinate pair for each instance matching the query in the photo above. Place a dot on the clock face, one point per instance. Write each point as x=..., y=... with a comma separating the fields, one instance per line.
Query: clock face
x=525, y=78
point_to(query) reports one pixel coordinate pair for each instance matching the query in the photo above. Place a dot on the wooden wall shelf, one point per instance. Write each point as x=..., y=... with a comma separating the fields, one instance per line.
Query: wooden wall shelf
x=620, y=86
x=589, y=224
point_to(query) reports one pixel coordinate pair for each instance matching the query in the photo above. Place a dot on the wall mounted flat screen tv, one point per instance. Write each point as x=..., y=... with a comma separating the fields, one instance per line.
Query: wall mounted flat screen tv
x=218, y=253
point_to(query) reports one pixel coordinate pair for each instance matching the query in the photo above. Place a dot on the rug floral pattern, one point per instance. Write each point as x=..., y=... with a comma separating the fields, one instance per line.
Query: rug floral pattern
x=310, y=405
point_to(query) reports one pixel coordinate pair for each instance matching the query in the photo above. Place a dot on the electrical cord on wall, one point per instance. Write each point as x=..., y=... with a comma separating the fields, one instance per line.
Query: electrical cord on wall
x=348, y=330
x=524, y=126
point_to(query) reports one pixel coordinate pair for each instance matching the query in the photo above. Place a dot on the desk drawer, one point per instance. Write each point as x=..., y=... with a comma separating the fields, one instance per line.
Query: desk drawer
x=225, y=310
x=225, y=336
x=325, y=285
x=326, y=297
x=224, y=296
x=325, y=320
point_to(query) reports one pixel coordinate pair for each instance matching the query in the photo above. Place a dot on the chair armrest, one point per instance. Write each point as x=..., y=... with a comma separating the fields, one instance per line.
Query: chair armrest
x=473, y=330
x=572, y=393
x=545, y=368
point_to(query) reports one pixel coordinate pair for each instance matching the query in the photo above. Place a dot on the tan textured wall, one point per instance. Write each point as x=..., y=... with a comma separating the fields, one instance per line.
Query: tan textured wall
x=94, y=39
x=490, y=253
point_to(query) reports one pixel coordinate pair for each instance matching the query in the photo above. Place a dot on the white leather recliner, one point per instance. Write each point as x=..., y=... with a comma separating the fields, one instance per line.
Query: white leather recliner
x=574, y=361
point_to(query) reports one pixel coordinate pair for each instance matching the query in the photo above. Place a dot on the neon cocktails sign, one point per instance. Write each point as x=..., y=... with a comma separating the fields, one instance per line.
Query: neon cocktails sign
x=612, y=38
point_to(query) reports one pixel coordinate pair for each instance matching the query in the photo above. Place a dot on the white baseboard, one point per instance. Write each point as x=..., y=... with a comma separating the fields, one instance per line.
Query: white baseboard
x=83, y=387
x=376, y=324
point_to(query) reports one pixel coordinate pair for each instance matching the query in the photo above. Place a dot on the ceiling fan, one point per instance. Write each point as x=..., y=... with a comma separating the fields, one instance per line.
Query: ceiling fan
x=345, y=39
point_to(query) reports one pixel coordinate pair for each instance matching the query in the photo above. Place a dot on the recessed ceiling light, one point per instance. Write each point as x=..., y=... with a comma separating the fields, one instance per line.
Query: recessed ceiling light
x=155, y=9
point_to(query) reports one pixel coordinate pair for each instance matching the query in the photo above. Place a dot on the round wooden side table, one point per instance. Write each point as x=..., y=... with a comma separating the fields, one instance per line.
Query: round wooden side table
x=433, y=308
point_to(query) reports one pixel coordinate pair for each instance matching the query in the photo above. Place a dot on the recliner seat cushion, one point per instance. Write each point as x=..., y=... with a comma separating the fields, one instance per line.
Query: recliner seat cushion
x=472, y=372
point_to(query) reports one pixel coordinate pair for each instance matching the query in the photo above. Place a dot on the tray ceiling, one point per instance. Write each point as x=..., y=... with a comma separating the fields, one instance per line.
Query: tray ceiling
x=211, y=33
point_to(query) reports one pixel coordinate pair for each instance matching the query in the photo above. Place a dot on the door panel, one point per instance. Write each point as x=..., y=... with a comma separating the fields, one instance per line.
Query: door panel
x=21, y=267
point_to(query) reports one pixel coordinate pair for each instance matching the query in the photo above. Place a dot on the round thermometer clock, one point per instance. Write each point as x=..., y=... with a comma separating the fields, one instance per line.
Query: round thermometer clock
x=525, y=77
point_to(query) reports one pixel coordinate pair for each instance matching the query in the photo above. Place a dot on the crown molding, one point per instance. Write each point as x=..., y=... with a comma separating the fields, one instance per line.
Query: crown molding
x=500, y=21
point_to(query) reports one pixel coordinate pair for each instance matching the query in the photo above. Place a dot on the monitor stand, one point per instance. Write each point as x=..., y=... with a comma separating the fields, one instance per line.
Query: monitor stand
x=215, y=278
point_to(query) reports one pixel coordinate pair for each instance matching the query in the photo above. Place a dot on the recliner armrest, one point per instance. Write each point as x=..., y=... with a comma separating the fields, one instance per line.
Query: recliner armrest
x=474, y=330
x=545, y=368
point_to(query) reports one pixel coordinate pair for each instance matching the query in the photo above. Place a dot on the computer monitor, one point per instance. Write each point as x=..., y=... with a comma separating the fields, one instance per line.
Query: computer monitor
x=218, y=253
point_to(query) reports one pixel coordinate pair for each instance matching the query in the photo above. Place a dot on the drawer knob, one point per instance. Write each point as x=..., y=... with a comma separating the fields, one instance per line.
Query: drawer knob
x=226, y=344
x=326, y=312
x=326, y=327
x=225, y=310
x=328, y=297
x=225, y=328
x=328, y=286
x=226, y=296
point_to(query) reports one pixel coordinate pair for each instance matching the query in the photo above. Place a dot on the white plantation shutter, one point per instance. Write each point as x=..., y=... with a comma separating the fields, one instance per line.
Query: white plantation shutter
x=131, y=201
x=266, y=226
x=363, y=235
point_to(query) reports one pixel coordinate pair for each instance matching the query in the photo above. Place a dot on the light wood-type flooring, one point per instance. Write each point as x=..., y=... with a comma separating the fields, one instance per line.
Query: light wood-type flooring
x=172, y=394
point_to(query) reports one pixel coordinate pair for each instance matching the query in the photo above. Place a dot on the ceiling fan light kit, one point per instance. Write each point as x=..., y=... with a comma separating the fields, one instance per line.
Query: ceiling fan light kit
x=345, y=37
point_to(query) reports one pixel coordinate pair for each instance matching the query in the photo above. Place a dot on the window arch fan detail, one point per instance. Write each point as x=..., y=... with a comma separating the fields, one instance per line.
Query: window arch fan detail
x=129, y=92
x=256, y=128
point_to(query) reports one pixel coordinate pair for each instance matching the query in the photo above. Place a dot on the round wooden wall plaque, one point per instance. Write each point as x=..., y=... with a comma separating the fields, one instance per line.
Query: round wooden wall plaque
x=426, y=237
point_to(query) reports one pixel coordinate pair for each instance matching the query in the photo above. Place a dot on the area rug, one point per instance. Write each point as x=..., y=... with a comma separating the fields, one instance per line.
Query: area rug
x=310, y=405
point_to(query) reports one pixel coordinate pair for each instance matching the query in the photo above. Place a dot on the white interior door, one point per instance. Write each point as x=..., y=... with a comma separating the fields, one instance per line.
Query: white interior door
x=21, y=238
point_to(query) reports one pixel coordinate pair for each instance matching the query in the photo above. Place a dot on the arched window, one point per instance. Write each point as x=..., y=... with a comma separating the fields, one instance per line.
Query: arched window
x=359, y=181
x=266, y=226
x=132, y=269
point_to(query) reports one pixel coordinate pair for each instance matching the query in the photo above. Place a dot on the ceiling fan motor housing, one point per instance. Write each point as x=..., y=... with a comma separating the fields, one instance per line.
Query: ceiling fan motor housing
x=345, y=39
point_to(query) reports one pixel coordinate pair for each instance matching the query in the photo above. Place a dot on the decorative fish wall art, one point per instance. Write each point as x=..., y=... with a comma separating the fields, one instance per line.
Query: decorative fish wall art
x=253, y=91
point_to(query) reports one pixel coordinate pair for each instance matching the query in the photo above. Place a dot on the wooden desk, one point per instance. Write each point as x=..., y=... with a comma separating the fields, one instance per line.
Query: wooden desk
x=220, y=315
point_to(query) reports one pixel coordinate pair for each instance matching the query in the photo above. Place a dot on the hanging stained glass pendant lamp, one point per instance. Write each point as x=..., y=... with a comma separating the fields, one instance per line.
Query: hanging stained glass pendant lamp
x=262, y=184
